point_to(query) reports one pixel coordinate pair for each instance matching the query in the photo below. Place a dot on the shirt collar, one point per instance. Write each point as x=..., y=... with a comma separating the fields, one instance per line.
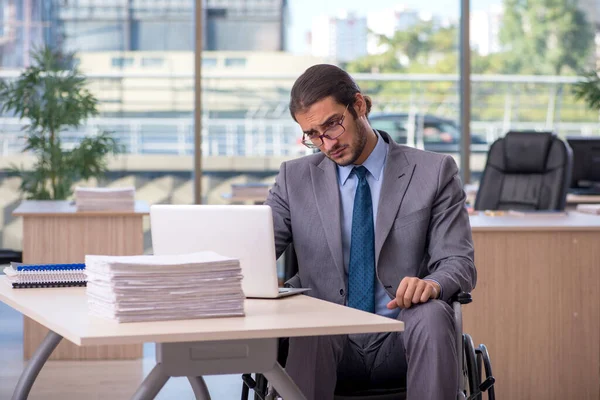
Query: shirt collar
x=374, y=163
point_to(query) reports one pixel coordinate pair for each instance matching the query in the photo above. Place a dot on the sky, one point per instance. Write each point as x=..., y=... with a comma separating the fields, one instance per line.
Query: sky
x=301, y=12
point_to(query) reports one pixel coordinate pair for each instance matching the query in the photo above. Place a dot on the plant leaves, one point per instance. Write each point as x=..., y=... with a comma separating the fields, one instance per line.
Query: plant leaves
x=52, y=96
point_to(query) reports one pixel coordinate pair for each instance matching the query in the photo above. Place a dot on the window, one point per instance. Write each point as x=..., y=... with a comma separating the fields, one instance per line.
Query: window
x=122, y=62
x=209, y=62
x=152, y=62
x=440, y=132
x=395, y=128
x=123, y=48
x=235, y=62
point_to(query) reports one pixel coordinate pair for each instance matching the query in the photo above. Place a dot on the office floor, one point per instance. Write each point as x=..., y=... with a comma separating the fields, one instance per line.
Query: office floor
x=92, y=380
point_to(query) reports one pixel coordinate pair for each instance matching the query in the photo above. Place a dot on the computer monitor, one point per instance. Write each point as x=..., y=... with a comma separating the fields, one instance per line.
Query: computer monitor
x=586, y=163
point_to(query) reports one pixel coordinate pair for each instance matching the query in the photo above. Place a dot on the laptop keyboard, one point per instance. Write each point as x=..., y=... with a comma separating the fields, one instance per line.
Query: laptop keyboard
x=284, y=290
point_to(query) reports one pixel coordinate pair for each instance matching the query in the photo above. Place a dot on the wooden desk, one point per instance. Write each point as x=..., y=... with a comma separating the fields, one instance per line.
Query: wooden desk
x=55, y=232
x=537, y=304
x=265, y=321
x=574, y=199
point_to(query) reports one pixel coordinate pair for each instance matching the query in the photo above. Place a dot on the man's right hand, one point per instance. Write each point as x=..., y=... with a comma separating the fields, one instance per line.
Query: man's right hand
x=413, y=291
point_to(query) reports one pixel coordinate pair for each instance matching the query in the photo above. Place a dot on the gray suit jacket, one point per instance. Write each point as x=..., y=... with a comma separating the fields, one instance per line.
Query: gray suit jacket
x=422, y=227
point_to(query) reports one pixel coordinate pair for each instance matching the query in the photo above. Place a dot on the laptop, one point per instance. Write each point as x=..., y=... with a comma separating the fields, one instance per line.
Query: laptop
x=243, y=232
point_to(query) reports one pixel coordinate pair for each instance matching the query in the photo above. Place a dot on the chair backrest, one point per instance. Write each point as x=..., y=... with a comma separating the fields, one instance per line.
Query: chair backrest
x=526, y=170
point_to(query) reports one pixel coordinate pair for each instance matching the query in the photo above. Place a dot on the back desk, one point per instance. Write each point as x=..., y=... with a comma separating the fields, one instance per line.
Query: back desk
x=537, y=304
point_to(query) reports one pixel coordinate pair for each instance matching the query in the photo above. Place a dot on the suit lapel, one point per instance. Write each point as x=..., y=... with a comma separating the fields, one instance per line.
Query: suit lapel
x=327, y=197
x=396, y=178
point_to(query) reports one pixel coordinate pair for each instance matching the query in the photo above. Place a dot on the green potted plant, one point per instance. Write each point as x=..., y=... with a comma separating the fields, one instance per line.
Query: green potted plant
x=51, y=95
x=588, y=89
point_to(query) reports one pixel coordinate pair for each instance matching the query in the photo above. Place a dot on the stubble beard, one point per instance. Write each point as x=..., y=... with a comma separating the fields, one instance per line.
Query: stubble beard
x=357, y=146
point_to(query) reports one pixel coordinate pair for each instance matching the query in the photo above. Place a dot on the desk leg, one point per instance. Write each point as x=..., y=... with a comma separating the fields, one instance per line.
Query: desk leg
x=195, y=359
x=33, y=368
x=283, y=383
x=199, y=387
x=153, y=383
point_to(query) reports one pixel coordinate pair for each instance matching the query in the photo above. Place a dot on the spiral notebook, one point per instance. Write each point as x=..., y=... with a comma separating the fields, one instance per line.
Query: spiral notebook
x=23, y=276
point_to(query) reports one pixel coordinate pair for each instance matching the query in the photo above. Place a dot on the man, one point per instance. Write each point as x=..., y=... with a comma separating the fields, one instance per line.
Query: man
x=376, y=226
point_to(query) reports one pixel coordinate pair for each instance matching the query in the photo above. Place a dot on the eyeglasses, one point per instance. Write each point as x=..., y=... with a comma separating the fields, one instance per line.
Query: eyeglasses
x=334, y=130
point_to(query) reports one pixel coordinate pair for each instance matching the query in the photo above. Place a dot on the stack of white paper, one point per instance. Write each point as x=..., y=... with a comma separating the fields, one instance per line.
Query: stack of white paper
x=589, y=208
x=152, y=288
x=105, y=199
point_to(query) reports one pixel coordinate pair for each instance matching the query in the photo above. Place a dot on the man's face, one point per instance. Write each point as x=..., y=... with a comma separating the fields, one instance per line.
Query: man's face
x=325, y=114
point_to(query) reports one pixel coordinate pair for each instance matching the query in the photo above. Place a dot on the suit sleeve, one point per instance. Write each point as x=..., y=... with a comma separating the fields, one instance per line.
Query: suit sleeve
x=451, y=261
x=278, y=201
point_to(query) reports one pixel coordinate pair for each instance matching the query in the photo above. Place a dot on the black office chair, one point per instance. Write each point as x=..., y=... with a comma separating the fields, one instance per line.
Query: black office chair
x=7, y=256
x=475, y=364
x=526, y=171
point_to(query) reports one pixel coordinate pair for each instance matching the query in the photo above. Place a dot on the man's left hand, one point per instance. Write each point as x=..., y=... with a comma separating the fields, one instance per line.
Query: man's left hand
x=413, y=291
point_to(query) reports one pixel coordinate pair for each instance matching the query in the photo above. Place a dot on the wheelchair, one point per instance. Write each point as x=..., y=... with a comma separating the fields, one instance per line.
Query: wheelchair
x=474, y=366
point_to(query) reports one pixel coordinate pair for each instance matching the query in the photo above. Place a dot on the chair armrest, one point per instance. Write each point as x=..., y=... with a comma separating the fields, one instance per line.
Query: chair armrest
x=293, y=282
x=462, y=298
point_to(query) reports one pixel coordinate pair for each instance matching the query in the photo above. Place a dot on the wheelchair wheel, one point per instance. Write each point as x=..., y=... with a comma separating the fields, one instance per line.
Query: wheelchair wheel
x=261, y=390
x=470, y=365
x=485, y=365
x=258, y=384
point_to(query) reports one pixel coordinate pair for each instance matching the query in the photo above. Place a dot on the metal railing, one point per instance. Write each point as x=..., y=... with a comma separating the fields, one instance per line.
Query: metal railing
x=230, y=137
x=246, y=114
x=506, y=98
x=221, y=137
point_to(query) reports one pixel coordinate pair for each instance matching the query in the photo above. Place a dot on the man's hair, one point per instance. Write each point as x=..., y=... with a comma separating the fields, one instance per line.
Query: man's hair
x=321, y=81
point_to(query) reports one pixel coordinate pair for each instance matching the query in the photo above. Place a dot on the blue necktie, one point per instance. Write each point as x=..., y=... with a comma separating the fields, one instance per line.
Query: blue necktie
x=361, y=275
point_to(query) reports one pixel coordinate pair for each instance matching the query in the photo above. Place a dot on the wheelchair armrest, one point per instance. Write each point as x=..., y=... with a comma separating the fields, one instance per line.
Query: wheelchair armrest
x=462, y=298
x=293, y=282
